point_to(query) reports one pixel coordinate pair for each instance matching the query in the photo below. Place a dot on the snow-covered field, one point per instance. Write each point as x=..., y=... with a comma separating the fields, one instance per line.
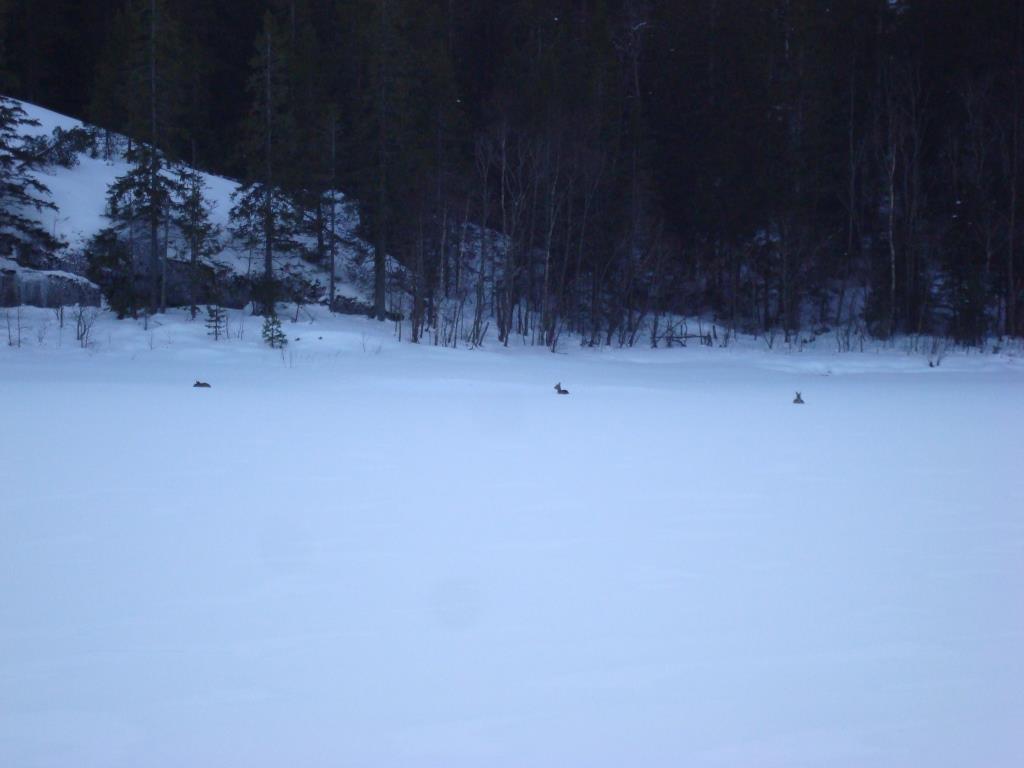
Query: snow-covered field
x=360, y=553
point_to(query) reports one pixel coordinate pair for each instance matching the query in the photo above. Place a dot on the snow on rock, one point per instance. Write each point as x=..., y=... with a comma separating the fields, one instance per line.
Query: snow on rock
x=44, y=288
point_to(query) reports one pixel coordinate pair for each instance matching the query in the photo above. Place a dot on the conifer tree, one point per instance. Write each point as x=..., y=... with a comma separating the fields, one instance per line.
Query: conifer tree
x=393, y=78
x=260, y=211
x=191, y=213
x=112, y=268
x=310, y=147
x=138, y=205
x=273, y=334
x=145, y=191
x=302, y=146
x=214, y=321
x=197, y=78
x=330, y=205
x=21, y=192
x=108, y=107
x=373, y=63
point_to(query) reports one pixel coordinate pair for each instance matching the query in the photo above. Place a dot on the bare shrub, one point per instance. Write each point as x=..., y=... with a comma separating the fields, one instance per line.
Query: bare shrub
x=85, y=318
x=14, y=329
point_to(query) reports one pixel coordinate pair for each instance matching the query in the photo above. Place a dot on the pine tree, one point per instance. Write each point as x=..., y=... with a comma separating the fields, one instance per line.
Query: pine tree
x=144, y=192
x=196, y=79
x=108, y=107
x=393, y=113
x=21, y=235
x=138, y=203
x=308, y=149
x=191, y=213
x=428, y=136
x=375, y=57
x=273, y=335
x=330, y=205
x=301, y=148
x=257, y=214
x=214, y=321
x=112, y=268
x=248, y=227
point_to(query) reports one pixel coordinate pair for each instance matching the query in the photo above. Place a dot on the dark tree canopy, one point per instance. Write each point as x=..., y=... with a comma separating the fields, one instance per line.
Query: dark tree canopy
x=780, y=164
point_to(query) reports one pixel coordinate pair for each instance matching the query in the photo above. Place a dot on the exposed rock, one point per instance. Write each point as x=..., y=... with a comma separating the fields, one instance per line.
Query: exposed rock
x=344, y=305
x=44, y=288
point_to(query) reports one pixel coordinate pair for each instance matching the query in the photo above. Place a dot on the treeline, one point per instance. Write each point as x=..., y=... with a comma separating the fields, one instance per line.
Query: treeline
x=593, y=166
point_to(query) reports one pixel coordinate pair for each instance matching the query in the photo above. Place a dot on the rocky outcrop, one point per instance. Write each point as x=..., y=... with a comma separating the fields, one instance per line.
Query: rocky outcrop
x=44, y=288
x=344, y=305
x=230, y=289
x=39, y=286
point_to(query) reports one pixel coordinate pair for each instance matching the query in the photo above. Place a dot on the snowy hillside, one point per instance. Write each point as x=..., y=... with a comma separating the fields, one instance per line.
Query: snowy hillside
x=360, y=552
x=80, y=193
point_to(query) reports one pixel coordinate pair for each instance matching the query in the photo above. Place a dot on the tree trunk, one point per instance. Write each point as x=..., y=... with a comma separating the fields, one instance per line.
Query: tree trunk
x=892, y=242
x=379, y=242
x=1010, y=323
x=851, y=193
x=154, y=170
x=269, y=307
x=332, y=289
x=163, y=264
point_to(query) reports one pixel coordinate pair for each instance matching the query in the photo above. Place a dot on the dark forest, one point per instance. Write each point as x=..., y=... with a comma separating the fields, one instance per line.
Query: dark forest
x=783, y=166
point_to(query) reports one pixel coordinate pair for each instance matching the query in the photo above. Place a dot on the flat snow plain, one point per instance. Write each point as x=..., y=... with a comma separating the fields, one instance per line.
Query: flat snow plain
x=360, y=553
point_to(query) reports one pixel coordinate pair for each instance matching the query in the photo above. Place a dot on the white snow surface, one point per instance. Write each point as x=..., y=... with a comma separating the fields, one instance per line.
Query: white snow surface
x=365, y=553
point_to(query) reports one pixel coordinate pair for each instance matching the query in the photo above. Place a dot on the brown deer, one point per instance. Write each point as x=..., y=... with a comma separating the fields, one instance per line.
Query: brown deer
x=201, y=384
x=559, y=390
x=798, y=400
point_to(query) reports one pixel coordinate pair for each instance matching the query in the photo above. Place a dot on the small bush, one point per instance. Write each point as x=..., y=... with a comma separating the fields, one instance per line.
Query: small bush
x=273, y=335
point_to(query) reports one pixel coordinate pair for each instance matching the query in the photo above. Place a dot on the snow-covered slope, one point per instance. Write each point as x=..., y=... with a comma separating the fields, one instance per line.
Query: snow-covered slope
x=80, y=193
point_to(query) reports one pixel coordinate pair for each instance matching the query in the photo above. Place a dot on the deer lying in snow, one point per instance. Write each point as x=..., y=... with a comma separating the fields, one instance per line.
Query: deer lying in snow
x=798, y=400
x=201, y=384
x=559, y=390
